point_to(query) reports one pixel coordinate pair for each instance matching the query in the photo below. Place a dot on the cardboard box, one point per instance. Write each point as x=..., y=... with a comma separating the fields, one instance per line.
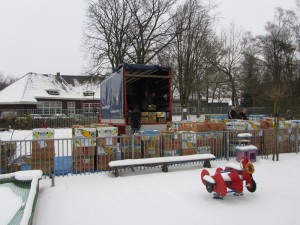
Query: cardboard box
x=83, y=142
x=127, y=140
x=188, y=140
x=107, y=131
x=84, y=151
x=105, y=141
x=7, y=149
x=189, y=151
x=161, y=120
x=128, y=155
x=83, y=159
x=185, y=126
x=203, y=150
x=172, y=153
x=43, y=154
x=161, y=114
x=79, y=168
x=152, y=151
x=144, y=120
x=42, y=134
x=200, y=127
x=151, y=107
x=171, y=146
x=103, y=160
x=128, y=149
x=84, y=136
x=107, y=136
x=35, y=163
x=106, y=150
x=39, y=145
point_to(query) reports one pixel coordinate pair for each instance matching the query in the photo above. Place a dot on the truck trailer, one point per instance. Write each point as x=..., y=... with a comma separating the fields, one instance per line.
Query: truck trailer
x=128, y=87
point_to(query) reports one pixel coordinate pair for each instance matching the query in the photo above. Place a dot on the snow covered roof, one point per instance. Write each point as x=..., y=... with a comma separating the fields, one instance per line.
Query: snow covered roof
x=33, y=86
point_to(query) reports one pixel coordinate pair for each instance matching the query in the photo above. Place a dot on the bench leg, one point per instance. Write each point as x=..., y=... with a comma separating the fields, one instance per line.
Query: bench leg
x=132, y=168
x=164, y=167
x=116, y=172
x=207, y=163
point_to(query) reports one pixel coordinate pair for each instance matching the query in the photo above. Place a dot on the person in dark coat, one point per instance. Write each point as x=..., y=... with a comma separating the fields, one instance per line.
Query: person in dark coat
x=135, y=118
x=232, y=113
x=243, y=114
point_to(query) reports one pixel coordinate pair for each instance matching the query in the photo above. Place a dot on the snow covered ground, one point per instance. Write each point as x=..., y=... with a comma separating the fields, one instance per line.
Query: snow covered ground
x=153, y=197
x=177, y=197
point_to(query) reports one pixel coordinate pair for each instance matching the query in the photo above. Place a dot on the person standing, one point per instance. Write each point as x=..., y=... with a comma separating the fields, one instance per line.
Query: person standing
x=135, y=119
x=243, y=114
x=232, y=113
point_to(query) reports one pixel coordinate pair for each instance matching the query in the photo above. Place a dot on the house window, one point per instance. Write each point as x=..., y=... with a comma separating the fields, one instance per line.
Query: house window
x=177, y=109
x=49, y=107
x=88, y=93
x=71, y=108
x=52, y=91
x=88, y=108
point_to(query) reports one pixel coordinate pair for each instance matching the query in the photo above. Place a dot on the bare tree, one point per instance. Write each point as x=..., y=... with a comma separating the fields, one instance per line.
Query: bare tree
x=230, y=58
x=150, y=29
x=120, y=31
x=106, y=41
x=251, y=73
x=276, y=92
x=6, y=80
x=278, y=54
x=187, y=49
x=278, y=51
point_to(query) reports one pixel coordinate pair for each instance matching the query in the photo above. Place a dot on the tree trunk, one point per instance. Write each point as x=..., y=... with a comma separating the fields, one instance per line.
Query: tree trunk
x=276, y=132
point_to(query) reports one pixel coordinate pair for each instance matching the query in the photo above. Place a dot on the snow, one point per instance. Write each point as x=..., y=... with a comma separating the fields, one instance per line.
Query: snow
x=10, y=203
x=246, y=148
x=128, y=162
x=32, y=85
x=245, y=135
x=234, y=166
x=177, y=197
x=28, y=175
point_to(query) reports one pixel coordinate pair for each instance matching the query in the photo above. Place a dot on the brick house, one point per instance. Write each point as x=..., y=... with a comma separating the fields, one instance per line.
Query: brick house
x=49, y=94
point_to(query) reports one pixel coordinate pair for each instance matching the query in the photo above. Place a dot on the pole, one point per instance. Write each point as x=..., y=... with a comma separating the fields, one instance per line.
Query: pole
x=93, y=106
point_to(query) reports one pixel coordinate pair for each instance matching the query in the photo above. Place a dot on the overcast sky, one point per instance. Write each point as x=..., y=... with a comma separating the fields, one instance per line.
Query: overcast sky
x=45, y=36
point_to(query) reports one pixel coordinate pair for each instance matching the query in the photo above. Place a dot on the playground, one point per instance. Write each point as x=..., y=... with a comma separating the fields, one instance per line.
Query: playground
x=177, y=197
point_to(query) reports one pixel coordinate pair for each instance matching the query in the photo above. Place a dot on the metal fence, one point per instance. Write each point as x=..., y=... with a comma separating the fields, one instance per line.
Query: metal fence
x=77, y=156
x=30, y=118
x=46, y=121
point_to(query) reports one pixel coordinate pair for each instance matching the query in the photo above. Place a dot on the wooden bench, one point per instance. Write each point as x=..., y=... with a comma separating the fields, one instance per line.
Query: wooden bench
x=163, y=161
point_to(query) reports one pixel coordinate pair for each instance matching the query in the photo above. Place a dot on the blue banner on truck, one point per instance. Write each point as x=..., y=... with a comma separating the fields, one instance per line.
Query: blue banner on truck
x=112, y=96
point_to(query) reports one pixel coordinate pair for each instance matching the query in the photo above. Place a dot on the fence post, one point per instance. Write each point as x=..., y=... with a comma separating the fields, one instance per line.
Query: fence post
x=52, y=178
x=227, y=145
x=0, y=162
x=297, y=139
x=132, y=146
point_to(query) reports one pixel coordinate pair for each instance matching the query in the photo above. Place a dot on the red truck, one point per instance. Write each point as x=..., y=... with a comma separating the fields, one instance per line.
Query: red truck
x=127, y=87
